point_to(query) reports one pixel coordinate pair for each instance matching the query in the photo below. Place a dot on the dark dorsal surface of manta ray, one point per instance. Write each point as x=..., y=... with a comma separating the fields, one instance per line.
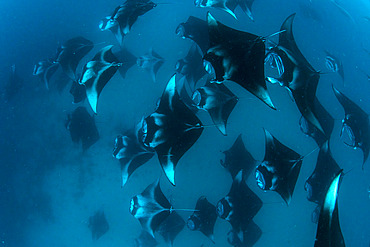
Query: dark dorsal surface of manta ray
x=14, y=84
x=326, y=121
x=227, y=5
x=334, y=64
x=218, y=101
x=326, y=169
x=355, y=124
x=124, y=17
x=82, y=127
x=248, y=238
x=196, y=30
x=315, y=214
x=318, y=183
x=171, y=130
x=151, y=208
x=204, y=218
x=131, y=153
x=151, y=61
x=238, y=158
x=280, y=168
x=191, y=67
x=78, y=91
x=240, y=205
x=237, y=56
x=45, y=70
x=71, y=53
x=127, y=59
x=98, y=225
x=186, y=94
x=145, y=240
x=299, y=77
x=328, y=232
x=171, y=227
x=97, y=73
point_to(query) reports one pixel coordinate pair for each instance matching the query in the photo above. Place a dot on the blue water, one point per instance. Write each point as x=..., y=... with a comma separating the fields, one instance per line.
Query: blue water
x=48, y=188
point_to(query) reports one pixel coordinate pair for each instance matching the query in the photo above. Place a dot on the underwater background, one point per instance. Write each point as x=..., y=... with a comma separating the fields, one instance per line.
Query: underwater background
x=49, y=188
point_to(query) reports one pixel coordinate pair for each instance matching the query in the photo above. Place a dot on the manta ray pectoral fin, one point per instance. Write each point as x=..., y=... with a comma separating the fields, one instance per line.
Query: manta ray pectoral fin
x=124, y=175
x=252, y=234
x=312, y=118
x=216, y=115
x=328, y=232
x=167, y=160
x=230, y=12
x=170, y=93
x=287, y=192
x=263, y=95
x=49, y=72
x=211, y=20
x=247, y=10
x=145, y=239
x=92, y=97
x=155, y=68
x=169, y=168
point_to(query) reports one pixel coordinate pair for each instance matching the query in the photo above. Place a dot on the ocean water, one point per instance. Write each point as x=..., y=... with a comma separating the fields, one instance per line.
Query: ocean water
x=49, y=188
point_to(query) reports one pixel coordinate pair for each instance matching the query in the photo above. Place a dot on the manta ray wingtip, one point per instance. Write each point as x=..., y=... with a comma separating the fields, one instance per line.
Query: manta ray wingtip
x=169, y=171
x=338, y=94
x=92, y=101
x=270, y=104
x=292, y=16
x=267, y=133
x=336, y=91
x=210, y=19
x=286, y=197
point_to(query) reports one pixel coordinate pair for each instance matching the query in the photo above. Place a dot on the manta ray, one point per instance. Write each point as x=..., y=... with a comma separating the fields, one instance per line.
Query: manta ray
x=191, y=67
x=204, y=218
x=237, y=56
x=280, y=168
x=171, y=130
x=355, y=125
x=299, y=77
x=328, y=232
x=98, y=225
x=151, y=61
x=131, y=153
x=71, y=53
x=218, y=101
x=156, y=214
x=124, y=17
x=97, y=73
x=82, y=127
x=239, y=206
x=318, y=183
x=45, y=70
x=171, y=227
x=238, y=158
